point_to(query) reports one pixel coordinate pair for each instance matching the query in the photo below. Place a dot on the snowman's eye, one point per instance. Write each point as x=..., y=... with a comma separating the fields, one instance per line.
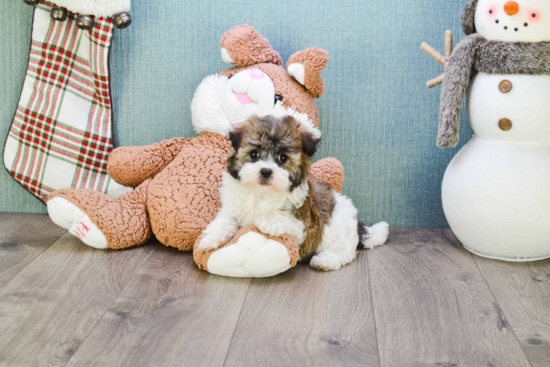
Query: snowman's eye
x=534, y=15
x=490, y=12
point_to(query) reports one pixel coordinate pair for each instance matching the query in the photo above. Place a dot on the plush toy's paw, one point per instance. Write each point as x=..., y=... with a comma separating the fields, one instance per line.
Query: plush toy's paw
x=378, y=234
x=327, y=261
x=270, y=226
x=210, y=242
x=69, y=216
x=329, y=171
x=249, y=254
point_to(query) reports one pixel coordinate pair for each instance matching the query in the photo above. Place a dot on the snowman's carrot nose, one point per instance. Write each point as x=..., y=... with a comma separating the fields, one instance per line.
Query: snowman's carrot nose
x=511, y=8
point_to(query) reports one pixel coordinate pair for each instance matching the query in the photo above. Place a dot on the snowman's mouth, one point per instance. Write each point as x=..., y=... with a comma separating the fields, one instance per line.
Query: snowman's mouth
x=515, y=29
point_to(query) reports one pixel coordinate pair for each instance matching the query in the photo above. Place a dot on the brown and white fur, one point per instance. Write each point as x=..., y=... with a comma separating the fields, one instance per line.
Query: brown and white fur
x=267, y=184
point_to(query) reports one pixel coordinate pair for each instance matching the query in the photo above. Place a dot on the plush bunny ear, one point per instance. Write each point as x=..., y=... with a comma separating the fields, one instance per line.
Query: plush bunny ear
x=468, y=17
x=306, y=66
x=244, y=46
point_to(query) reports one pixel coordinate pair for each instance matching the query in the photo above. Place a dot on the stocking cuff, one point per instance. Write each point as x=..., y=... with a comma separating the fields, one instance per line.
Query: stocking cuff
x=97, y=8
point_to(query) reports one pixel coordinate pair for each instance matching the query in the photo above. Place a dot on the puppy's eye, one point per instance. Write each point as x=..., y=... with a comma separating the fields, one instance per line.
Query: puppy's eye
x=278, y=98
x=254, y=155
x=283, y=158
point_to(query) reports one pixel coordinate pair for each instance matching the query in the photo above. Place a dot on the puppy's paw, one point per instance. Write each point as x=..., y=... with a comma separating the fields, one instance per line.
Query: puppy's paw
x=378, y=235
x=210, y=242
x=327, y=261
x=227, y=232
x=269, y=226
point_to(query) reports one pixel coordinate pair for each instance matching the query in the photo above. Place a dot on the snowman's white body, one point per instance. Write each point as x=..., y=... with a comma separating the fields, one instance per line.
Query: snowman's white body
x=496, y=191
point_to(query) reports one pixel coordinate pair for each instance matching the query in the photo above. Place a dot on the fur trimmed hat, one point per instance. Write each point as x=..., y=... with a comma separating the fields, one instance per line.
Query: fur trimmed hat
x=468, y=17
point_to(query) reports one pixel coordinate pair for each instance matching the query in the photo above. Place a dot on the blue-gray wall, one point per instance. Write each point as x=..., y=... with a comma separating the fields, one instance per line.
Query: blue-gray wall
x=377, y=116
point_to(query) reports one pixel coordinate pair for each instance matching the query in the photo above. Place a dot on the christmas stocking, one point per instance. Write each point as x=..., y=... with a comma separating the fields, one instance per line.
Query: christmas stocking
x=61, y=135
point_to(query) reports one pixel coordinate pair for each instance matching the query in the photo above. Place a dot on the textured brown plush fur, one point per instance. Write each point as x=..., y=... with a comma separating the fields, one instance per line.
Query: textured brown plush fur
x=177, y=181
x=314, y=61
x=248, y=47
x=146, y=162
x=329, y=171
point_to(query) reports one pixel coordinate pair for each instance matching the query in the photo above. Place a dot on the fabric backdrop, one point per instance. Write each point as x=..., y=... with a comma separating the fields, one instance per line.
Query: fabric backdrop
x=377, y=116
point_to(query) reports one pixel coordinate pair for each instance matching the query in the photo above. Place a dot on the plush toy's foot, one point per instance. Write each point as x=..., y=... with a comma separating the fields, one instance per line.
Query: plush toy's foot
x=101, y=221
x=69, y=216
x=250, y=254
x=378, y=234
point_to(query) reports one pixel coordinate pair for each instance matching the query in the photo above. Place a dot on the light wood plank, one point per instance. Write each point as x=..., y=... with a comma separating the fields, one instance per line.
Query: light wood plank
x=433, y=308
x=51, y=306
x=172, y=314
x=22, y=238
x=523, y=292
x=307, y=318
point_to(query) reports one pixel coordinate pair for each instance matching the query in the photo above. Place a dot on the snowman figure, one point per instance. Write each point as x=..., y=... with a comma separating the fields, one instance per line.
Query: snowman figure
x=496, y=191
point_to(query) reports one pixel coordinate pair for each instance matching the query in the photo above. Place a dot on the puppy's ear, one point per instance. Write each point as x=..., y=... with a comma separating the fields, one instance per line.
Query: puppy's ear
x=236, y=136
x=309, y=143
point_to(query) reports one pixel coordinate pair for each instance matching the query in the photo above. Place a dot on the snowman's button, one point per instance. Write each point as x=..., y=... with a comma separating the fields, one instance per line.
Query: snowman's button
x=505, y=124
x=59, y=14
x=505, y=86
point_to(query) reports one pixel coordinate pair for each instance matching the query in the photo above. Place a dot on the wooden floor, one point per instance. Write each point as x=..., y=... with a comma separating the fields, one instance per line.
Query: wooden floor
x=421, y=300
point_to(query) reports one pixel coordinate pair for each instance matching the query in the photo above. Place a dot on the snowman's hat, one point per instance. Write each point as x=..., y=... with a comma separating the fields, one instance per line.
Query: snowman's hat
x=468, y=15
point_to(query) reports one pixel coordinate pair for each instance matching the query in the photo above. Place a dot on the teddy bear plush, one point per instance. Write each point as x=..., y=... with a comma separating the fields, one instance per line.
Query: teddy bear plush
x=176, y=182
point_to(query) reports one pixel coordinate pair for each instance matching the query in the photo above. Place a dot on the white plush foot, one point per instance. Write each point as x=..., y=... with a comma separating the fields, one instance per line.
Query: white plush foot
x=327, y=261
x=378, y=235
x=253, y=256
x=67, y=215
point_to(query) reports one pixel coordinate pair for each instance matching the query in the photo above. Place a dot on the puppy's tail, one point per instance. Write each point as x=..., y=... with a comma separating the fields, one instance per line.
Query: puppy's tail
x=371, y=237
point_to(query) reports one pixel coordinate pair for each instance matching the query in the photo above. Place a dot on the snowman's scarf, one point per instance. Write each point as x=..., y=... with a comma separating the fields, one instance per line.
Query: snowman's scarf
x=475, y=53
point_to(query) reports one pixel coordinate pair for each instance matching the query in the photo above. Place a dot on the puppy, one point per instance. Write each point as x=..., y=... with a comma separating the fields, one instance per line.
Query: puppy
x=267, y=184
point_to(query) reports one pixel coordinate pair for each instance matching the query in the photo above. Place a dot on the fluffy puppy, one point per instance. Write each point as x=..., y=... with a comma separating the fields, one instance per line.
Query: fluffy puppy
x=267, y=184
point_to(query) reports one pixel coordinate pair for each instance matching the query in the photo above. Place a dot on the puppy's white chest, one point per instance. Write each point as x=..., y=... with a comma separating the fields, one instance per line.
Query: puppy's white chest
x=252, y=207
x=247, y=206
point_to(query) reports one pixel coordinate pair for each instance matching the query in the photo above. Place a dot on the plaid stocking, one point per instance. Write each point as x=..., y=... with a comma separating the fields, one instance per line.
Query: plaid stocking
x=61, y=134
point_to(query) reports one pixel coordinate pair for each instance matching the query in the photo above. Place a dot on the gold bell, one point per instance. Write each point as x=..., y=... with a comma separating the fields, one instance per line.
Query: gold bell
x=59, y=14
x=122, y=20
x=85, y=22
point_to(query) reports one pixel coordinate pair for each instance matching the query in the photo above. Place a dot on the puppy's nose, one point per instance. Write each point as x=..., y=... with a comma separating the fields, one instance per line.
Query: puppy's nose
x=256, y=74
x=511, y=8
x=266, y=172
